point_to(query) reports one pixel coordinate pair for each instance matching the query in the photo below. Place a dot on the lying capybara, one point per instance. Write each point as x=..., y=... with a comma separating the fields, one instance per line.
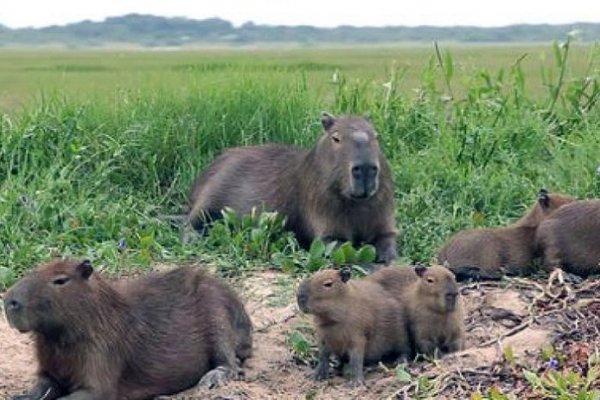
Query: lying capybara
x=434, y=312
x=341, y=189
x=490, y=253
x=570, y=238
x=157, y=335
x=355, y=320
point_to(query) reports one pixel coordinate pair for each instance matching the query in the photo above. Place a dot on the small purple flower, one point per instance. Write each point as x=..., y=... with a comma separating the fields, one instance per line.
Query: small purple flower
x=122, y=244
x=551, y=363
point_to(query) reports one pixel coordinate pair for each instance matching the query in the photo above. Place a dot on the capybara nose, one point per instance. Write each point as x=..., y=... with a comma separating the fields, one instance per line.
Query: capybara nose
x=451, y=300
x=12, y=305
x=364, y=171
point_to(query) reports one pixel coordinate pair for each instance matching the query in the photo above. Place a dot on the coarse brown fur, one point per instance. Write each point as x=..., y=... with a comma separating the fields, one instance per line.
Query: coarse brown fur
x=570, y=238
x=152, y=336
x=354, y=319
x=434, y=312
x=490, y=253
x=341, y=189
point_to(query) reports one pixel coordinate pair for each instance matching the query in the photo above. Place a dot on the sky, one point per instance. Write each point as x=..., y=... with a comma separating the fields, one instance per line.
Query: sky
x=37, y=13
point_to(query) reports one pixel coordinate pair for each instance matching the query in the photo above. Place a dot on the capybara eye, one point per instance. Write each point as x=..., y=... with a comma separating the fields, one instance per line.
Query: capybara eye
x=335, y=137
x=60, y=281
x=430, y=280
x=328, y=284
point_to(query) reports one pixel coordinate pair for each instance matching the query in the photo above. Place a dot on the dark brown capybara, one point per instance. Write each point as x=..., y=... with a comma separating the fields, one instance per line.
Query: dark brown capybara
x=570, y=238
x=490, y=253
x=355, y=320
x=156, y=335
x=434, y=311
x=341, y=189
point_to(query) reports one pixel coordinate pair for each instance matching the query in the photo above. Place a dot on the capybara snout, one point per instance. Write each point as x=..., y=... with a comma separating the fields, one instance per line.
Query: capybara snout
x=364, y=180
x=302, y=296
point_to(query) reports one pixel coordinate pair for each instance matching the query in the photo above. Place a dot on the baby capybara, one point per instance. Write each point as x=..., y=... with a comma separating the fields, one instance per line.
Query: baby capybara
x=341, y=189
x=434, y=312
x=570, y=238
x=355, y=320
x=490, y=253
x=138, y=339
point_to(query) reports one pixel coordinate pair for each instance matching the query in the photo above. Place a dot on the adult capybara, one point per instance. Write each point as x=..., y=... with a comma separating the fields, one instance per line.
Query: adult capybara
x=355, y=320
x=157, y=335
x=341, y=189
x=490, y=253
x=434, y=312
x=570, y=238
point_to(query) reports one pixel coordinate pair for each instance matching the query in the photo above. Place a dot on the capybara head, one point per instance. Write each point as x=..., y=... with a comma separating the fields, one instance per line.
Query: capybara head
x=546, y=203
x=315, y=292
x=437, y=288
x=348, y=153
x=41, y=301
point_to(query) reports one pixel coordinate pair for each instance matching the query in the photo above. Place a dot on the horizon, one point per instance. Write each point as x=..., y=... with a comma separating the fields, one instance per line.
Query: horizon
x=104, y=19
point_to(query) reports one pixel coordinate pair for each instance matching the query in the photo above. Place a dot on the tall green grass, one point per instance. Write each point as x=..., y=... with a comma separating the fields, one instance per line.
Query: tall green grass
x=92, y=178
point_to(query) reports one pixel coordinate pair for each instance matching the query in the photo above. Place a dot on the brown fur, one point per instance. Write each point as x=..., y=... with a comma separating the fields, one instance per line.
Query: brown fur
x=354, y=320
x=434, y=312
x=314, y=188
x=570, y=238
x=489, y=253
x=135, y=340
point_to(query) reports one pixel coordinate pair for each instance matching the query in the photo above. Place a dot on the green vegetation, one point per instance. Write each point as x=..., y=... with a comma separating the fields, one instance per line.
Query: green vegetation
x=112, y=141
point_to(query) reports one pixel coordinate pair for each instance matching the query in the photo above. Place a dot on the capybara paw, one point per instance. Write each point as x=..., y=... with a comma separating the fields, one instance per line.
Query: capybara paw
x=357, y=382
x=320, y=375
x=215, y=378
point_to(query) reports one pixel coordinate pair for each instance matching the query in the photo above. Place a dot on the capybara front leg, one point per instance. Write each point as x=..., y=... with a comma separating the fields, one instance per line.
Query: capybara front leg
x=356, y=364
x=226, y=365
x=385, y=247
x=323, y=365
x=44, y=389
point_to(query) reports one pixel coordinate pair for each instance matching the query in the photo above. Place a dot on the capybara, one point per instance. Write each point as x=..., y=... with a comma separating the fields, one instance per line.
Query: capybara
x=570, y=238
x=434, y=311
x=341, y=189
x=490, y=253
x=156, y=335
x=355, y=320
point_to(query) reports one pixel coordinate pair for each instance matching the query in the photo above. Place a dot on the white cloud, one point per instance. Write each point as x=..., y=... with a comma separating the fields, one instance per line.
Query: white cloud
x=20, y=13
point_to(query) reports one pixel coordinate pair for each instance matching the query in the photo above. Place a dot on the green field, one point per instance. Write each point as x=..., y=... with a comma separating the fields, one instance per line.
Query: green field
x=96, y=145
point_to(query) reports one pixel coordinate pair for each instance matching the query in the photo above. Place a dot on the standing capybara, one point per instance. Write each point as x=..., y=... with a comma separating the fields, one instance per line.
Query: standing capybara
x=434, y=312
x=157, y=335
x=341, y=189
x=570, y=238
x=489, y=253
x=355, y=320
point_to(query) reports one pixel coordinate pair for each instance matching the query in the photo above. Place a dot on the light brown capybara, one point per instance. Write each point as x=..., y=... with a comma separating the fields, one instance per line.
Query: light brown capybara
x=156, y=335
x=434, y=312
x=490, y=253
x=570, y=238
x=355, y=320
x=341, y=189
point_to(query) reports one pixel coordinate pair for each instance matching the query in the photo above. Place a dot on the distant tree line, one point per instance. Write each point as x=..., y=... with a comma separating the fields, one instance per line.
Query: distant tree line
x=148, y=30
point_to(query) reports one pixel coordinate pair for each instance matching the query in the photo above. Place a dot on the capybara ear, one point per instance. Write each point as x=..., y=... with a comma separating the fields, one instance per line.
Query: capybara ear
x=327, y=120
x=544, y=198
x=85, y=269
x=345, y=274
x=420, y=270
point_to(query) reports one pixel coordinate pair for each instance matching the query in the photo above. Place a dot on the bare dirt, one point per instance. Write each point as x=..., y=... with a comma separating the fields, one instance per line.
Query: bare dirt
x=508, y=324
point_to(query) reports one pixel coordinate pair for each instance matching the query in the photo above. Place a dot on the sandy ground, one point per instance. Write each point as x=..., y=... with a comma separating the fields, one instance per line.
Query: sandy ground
x=494, y=310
